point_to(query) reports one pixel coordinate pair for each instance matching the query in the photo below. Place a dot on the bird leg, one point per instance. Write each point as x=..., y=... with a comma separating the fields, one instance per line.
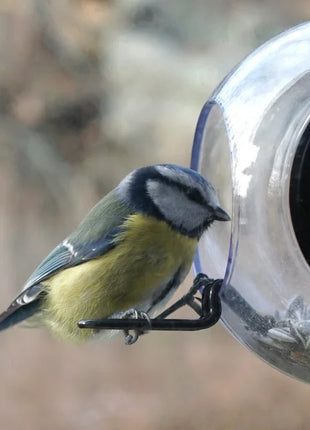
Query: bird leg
x=200, y=281
x=209, y=311
x=134, y=314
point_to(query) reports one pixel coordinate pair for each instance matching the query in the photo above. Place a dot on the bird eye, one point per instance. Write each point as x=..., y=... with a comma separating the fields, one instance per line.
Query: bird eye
x=194, y=195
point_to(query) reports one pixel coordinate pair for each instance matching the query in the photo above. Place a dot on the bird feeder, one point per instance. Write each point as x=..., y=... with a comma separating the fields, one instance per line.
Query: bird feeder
x=253, y=143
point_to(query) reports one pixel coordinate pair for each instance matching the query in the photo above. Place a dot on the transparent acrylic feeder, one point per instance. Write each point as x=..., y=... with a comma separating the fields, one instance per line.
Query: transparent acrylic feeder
x=253, y=143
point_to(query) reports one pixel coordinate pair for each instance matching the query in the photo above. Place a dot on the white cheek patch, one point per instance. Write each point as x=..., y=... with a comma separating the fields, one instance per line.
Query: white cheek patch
x=183, y=178
x=175, y=206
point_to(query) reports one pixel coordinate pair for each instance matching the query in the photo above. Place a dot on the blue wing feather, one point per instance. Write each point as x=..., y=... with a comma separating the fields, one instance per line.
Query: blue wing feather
x=94, y=237
x=60, y=257
x=66, y=254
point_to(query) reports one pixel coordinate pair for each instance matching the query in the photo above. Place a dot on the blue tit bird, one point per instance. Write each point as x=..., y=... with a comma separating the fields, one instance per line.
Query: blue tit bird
x=132, y=250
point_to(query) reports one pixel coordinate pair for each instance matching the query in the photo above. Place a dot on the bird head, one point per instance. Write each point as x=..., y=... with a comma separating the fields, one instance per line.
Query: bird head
x=177, y=195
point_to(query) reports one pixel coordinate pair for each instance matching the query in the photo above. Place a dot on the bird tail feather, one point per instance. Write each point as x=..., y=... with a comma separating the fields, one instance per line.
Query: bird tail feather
x=14, y=316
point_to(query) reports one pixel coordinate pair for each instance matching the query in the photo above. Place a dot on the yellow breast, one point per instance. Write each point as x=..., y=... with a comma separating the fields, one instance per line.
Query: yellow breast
x=148, y=252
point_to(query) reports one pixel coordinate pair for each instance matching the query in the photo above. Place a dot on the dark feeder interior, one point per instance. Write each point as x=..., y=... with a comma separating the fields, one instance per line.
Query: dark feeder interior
x=300, y=194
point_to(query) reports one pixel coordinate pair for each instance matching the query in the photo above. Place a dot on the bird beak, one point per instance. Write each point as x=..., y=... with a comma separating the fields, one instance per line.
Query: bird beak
x=221, y=215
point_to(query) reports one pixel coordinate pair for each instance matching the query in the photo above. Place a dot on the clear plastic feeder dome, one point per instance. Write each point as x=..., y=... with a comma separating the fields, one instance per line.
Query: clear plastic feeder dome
x=253, y=143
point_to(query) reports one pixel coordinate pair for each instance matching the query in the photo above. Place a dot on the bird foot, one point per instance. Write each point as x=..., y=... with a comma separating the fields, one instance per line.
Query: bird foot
x=130, y=339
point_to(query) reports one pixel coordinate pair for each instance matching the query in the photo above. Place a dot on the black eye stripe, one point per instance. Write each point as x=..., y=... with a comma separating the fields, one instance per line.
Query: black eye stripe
x=192, y=193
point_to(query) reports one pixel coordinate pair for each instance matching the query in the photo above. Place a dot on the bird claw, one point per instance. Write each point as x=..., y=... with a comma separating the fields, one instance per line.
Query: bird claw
x=189, y=299
x=130, y=339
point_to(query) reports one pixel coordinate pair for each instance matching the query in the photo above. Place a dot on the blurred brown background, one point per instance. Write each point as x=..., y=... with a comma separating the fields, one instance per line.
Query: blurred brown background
x=90, y=90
